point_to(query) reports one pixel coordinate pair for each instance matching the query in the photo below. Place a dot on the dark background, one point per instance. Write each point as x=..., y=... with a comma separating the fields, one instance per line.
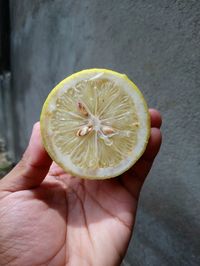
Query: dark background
x=157, y=44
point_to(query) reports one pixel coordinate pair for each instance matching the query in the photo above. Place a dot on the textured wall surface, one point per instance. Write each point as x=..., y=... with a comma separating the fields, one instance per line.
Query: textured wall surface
x=156, y=43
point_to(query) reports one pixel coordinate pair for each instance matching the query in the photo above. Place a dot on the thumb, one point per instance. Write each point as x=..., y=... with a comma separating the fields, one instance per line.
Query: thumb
x=32, y=168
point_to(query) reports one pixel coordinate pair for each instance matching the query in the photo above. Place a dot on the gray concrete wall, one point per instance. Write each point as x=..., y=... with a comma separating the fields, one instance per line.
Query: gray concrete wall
x=156, y=43
x=6, y=126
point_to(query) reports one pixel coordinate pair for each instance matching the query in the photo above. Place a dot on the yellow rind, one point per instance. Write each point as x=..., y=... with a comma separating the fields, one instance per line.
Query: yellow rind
x=69, y=79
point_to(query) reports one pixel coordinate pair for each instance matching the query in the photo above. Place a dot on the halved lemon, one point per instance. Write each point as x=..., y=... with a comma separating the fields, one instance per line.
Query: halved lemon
x=95, y=124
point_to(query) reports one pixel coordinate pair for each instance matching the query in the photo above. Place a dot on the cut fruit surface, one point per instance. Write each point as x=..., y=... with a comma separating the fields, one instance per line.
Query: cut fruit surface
x=95, y=124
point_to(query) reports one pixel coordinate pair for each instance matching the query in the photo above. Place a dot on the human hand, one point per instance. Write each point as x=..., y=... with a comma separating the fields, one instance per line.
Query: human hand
x=48, y=217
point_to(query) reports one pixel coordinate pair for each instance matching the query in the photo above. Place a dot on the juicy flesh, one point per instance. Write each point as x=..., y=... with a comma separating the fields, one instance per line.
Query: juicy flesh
x=95, y=123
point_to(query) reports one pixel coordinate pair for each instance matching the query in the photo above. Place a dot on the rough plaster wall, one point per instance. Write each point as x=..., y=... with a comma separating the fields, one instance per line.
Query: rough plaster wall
x=157, y=44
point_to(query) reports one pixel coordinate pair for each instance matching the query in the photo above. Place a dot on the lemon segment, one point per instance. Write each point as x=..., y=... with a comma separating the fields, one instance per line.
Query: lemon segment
x=95, y=124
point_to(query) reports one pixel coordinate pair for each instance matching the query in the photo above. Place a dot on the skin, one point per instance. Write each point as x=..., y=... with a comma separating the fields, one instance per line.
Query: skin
x=48, y=217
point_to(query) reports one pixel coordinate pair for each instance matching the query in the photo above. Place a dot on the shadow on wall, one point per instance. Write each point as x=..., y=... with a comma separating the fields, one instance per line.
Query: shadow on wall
x=6, y=132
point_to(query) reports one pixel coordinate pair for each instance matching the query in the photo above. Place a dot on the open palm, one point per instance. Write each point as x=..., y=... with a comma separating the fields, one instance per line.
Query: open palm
x=48, y=217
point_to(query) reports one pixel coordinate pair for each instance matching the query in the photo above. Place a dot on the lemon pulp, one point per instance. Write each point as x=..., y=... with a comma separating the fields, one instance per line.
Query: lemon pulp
x=95, y=124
